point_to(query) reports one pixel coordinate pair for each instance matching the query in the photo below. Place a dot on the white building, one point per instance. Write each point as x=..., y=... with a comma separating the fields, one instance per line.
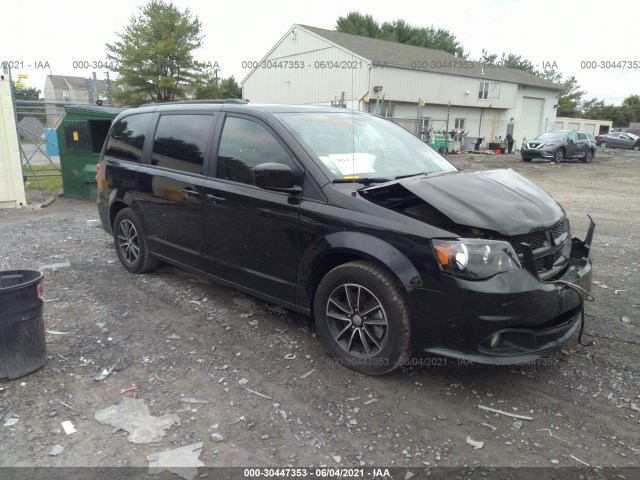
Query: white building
x=593, y=127
x=315, y=66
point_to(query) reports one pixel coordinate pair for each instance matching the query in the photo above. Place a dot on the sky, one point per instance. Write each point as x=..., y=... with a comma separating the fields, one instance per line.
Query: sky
x=63, y=35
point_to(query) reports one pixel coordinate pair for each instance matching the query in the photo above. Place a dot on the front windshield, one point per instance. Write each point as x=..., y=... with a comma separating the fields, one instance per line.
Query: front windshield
x=557, y=135
x=356, y=146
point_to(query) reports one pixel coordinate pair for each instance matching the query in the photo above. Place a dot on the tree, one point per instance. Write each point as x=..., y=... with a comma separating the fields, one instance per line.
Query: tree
x=400, y=31
x=29, y=93
x=509, y=60
x=213, y=88
x=570, y=99
x=153, y=57
x=631, y=108
x=231, y=88
x=359, y=24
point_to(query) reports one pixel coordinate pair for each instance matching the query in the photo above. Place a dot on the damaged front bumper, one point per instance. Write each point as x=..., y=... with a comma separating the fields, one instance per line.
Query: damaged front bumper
x=511, y=318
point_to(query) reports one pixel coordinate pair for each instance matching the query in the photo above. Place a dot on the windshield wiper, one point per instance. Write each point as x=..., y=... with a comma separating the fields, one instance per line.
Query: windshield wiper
x=363, y=181
x=412, y=175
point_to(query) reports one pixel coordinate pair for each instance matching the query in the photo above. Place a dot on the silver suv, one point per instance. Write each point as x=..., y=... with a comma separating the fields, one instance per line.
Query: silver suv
x=560, y=145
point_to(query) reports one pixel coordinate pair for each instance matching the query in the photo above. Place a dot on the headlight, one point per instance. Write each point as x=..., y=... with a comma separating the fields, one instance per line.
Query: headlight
x=474, y=258
x=549, y=145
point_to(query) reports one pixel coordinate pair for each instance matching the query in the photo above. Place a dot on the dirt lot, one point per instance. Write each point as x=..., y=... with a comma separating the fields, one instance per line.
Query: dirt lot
x=273, y=395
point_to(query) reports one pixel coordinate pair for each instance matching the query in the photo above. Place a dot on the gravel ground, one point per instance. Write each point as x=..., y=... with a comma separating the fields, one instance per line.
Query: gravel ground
x=252, y=382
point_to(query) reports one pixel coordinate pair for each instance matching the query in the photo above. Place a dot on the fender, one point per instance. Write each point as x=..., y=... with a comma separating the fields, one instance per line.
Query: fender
x=355, y=244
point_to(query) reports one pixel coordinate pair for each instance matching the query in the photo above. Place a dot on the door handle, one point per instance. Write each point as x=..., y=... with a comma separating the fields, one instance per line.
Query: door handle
x=215, y=199
x=189, y=193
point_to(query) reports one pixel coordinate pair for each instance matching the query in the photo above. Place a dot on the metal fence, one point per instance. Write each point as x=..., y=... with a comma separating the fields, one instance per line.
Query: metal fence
x=36, y=123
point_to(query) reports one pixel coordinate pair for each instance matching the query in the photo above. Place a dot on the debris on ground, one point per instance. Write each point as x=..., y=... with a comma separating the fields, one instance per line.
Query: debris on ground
x=128, y=389
x=490, y=426
x=104, y=373
x=56, y=332
x=256, y=393
x=54, y=266
x=56, y=450
x=216, y=437
x=552, y=435
x=307, y=374
x=475, y=444
x=133, y=416
x=201, y=401
x=68, y=427
x=183, y=461
x=502, y=412
x=47, y=202
x=10, y=419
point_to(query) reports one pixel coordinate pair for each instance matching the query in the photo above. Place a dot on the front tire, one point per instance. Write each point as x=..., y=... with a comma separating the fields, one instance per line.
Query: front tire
x=559, y=156
x=131, y=243
x=526, y=159
x=362, y=318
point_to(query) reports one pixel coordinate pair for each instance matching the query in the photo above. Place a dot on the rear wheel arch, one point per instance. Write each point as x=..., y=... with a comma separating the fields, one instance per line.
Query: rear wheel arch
x=114, y=209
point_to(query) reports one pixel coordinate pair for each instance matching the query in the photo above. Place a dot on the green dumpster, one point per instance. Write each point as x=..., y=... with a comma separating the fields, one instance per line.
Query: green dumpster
x=80, y=138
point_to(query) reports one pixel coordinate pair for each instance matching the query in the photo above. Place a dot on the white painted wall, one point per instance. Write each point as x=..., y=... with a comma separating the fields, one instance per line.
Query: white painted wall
x=11, y=183
x=321, y=80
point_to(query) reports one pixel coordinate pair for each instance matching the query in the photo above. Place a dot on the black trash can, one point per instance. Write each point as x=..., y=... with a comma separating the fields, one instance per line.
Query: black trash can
x=23, y=347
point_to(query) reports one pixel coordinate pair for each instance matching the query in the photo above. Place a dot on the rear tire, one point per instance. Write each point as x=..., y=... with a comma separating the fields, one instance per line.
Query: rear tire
x=131, y=243
x=604, y=145
x=588, y=156
x=362, y=318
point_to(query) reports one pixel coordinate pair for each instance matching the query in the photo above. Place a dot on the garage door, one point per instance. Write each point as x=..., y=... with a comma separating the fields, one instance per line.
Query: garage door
x=530, y=124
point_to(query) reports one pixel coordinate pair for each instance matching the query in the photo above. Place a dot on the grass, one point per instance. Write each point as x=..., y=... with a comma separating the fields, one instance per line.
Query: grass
x=49, y=178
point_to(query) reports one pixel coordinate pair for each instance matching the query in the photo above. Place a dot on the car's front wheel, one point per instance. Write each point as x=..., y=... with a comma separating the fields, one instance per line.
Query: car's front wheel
x=588, y=156
x=526, y=159
x=362, y=318
x=559, y=156
x=131, y=243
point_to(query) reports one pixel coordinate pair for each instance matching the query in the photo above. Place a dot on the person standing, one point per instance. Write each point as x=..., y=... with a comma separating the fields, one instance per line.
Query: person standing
x=509, y=139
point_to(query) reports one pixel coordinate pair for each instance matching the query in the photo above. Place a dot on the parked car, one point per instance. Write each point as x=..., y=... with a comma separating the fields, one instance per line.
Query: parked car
x=618, y=140
x=560, y=145
x=348, y=218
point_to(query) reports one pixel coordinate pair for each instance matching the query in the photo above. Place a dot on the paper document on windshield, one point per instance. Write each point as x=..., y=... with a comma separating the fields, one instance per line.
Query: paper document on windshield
x=351, y=163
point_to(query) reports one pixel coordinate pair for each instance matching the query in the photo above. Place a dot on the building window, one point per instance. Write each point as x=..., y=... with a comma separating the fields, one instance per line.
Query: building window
x=66, y=97
x=483, y=93
x=459, y=123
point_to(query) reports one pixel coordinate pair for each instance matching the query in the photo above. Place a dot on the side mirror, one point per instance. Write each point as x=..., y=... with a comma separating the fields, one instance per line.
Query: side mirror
x=275, y=176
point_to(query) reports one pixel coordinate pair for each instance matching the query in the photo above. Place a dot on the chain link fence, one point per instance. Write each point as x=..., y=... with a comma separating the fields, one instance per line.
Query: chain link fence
x=36, y=123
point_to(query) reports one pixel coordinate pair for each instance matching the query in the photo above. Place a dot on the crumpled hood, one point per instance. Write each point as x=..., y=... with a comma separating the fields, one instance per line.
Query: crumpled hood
x=499, y=200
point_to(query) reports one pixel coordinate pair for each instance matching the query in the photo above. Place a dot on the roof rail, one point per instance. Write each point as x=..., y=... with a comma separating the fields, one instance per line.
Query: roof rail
x=186, y=102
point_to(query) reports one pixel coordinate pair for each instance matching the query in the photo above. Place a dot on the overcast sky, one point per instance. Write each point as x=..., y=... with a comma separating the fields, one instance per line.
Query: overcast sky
x=540, y=30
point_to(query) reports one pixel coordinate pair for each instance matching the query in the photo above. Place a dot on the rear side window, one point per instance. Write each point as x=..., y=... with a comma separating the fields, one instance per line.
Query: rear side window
x=127, y=137
x=582, y=136
x=181, y=142
x=245, y=144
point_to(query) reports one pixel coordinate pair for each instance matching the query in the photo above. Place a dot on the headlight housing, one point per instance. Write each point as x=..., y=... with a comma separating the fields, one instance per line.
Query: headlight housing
x=475, y=259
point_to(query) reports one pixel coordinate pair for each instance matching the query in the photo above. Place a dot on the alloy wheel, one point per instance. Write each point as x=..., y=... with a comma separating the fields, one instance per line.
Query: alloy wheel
x=357, y=320
x=128, y=241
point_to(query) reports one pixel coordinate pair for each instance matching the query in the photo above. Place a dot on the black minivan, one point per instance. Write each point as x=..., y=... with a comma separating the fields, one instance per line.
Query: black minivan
x=351, y=219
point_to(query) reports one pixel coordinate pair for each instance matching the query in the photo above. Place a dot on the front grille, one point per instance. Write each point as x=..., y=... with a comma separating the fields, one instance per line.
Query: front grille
x=547, y=245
